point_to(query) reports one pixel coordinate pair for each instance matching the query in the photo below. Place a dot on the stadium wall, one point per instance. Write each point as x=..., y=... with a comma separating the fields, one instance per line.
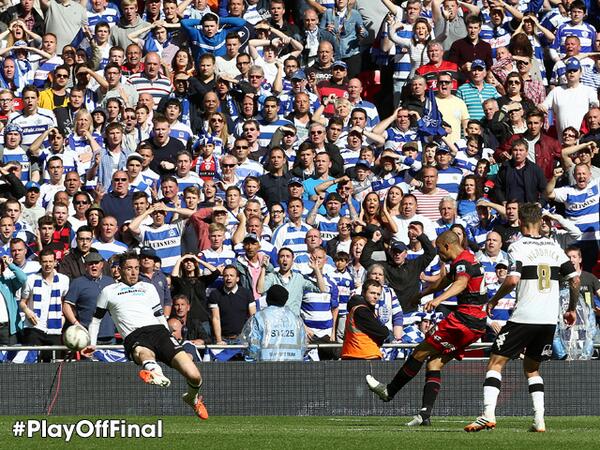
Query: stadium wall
x=328, y=388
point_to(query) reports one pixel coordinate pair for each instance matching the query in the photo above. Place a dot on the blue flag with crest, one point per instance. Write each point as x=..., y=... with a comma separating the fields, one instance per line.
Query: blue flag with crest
x=430, y=124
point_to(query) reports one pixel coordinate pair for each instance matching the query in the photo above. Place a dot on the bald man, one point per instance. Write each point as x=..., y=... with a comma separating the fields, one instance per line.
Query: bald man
x=151, y=80
x=457, y=331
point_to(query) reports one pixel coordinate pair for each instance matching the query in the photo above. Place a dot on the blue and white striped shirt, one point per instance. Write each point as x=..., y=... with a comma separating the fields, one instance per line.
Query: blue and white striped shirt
x=317, y=309
x=108, y=249
x=582, y=207
x=291, y=236
x=165, y=240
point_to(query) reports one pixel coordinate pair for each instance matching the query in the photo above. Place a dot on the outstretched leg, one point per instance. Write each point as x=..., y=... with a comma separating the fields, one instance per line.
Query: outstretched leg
x=407, y=372
x=186, y=367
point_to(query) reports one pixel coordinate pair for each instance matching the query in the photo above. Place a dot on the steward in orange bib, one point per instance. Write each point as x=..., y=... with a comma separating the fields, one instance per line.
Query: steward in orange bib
x=364, y=333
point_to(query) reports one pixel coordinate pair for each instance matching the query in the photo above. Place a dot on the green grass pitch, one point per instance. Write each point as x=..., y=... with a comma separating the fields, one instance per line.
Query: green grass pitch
x=346, y=433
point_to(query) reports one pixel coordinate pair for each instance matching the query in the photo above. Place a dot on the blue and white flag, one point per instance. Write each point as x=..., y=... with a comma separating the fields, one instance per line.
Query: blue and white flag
x=110, y=355
x=223, y=354
x=19, y=356
x=430, y=124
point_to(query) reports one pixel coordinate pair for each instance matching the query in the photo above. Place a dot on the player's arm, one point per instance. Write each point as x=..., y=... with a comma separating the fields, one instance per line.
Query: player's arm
x=94, y=328
x=567, y=270
x=438, y=285
x=459, y=285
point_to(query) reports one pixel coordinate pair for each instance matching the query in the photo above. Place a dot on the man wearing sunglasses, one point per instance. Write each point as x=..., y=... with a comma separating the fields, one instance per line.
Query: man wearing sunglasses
x=56, y=95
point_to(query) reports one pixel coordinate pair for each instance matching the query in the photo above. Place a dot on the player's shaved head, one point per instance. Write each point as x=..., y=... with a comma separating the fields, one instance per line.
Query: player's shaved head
x=448, y=238
x=448, y=246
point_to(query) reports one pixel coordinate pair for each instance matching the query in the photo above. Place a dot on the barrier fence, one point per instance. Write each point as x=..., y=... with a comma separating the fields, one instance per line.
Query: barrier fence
x=323, y=388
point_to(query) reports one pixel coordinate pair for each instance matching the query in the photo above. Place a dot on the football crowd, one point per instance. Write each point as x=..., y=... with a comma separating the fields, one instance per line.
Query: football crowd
x=310, y=144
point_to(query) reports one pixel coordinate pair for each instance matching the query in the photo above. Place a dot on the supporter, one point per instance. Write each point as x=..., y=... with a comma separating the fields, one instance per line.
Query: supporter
x=106, y=243
x=56, y=95
x=436, y=64
x=18, y=253
x=402, y=274
x=519, y=178
x=541, y=148
x=73, y=265
x=230, y=307
x=130, y=22
x=387, y=308
x=9, y=288
x=80, y=300
x=492, y=255
x=319, y=309
x=184, y=327
x=474, y=92
x=508, y=228
x=570, y=103
x=148, y=273
x=33, y=120
x=453, y=109
x=41, y=302
x=471, y=51
x=164, y=238
x=582, y=205
x=314, y=34
x=342, y=241
x=118, y=201
x=448, y=216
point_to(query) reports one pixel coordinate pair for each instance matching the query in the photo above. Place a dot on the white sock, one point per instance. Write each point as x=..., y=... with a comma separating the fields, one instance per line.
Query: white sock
x=152, y=366
x=491, y=390
x=536, y=389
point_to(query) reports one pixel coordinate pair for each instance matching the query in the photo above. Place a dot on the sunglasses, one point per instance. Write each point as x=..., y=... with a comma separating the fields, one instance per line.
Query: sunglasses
x=241, y=147
x=444, y=82
x=316, y=132
x=61, y=75
x=216, y=120
x=81, y=203
x=117, y=180
x=229, y=165
x=514, y=82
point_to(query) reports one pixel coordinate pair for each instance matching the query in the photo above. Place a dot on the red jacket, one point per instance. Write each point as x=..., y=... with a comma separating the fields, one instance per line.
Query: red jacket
x=547, y=151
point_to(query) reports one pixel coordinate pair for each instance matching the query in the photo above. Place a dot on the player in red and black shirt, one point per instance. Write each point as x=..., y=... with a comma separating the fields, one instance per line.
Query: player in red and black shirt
x=456, y=332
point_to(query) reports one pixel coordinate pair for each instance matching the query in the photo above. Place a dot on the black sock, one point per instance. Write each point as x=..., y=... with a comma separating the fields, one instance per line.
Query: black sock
x=433, y=382
x=406, y=373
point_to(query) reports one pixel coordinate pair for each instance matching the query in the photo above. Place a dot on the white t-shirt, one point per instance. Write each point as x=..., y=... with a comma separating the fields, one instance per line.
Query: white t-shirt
x=540, y=264
x=131, y=307
x=569, y=105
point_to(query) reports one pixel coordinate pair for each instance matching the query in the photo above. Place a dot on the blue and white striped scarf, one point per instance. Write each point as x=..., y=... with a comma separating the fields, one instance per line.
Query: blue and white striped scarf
x=54, y=321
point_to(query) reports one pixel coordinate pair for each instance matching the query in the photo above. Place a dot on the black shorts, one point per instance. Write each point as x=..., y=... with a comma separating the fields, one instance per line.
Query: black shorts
x=535, y=341
x=156, y=338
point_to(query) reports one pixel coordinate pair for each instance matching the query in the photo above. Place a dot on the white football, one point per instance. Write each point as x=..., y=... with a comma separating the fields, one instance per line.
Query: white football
x=76, y=337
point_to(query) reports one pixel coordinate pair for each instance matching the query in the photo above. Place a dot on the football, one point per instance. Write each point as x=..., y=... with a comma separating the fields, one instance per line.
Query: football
x=76, y=337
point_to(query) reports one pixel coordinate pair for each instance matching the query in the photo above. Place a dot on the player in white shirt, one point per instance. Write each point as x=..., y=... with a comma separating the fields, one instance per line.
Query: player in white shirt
x=136, y=311
x=537, y=265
